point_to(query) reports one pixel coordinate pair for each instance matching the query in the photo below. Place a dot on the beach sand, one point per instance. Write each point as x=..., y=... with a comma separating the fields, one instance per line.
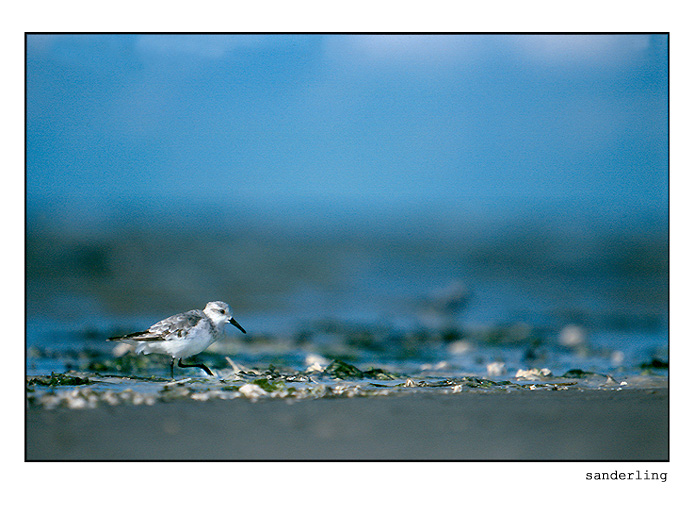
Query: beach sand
x=589, y=425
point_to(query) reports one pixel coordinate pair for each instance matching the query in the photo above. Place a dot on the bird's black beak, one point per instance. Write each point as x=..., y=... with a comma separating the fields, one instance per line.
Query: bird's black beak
x=234, y=322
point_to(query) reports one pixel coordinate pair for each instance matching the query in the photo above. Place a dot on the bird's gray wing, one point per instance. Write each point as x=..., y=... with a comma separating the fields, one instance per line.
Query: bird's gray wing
x=176, y=326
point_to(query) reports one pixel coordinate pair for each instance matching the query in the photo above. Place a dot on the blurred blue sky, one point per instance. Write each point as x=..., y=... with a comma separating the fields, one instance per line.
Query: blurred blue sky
x=339, y=127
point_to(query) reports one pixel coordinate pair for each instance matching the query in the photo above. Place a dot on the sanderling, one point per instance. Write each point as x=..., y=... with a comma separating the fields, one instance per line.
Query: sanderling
x=183, y=335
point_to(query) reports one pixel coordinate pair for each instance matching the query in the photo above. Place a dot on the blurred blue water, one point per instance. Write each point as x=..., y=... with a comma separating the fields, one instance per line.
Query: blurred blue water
x=316, y=128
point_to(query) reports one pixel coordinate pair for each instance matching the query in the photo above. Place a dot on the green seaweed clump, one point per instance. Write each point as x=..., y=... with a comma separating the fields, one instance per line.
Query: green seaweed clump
x=577, y=373
x=58, y=380
x=381, y=374
x=478, y=382
x=342, y=370
x=655, y=363
x=265, y=384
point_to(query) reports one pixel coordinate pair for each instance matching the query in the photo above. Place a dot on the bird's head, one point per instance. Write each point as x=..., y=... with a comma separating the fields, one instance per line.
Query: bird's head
x=220, y=313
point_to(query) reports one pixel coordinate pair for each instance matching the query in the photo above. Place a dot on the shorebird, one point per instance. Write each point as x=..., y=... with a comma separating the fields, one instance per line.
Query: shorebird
x=183, y=335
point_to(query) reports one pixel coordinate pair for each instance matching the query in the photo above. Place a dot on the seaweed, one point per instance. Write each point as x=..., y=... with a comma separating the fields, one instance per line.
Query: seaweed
x=655, y=363
x=381, y=374
x=265, y=384
x=58, y=380
x=577, y=373
x=342, y=370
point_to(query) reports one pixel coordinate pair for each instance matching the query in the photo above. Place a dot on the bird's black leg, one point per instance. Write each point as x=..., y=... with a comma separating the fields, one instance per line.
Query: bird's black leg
x=195, y=365
x=173, y=360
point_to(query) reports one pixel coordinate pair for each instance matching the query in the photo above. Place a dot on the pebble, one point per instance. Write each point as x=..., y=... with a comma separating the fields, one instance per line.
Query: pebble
x=533, y=373
x=252, y=391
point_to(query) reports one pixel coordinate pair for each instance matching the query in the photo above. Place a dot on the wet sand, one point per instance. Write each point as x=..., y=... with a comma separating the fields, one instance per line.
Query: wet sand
x=521, y=425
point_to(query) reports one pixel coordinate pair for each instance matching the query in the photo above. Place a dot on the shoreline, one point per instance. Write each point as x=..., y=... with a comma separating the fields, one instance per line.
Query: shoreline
x=590, y=425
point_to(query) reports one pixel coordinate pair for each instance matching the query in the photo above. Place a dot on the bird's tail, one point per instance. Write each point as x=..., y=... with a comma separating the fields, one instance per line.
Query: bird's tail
x=130, y=336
